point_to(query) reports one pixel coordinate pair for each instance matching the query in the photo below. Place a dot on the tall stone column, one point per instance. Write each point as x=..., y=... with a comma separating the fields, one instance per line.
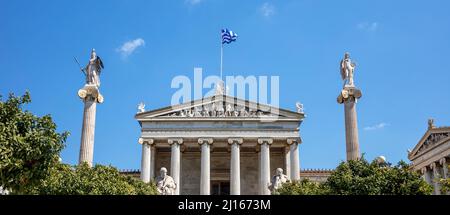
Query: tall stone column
x=349, y=96
x=444, y=164
x=90, y=96
x=436, y=176
x=235, y=166
x=146, y=159
x=287, y=160
x=426, y=175
x=265, y=165
x=205, y=165
x=295, y=160
x=152, y=162
x=175, y=160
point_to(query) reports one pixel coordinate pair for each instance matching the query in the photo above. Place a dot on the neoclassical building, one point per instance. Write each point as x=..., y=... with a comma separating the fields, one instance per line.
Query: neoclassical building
x=431, y=155
x=220, y=145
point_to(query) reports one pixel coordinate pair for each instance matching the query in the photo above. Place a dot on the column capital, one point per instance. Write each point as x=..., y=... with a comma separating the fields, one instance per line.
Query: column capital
x=235, y=140
x=268, y=141
x=178, y=141
x=423, y=170
x=443, y=161
x=291, y=141
x=433, y=166
x=202, y=140
x=90, y=93
x=147, y=141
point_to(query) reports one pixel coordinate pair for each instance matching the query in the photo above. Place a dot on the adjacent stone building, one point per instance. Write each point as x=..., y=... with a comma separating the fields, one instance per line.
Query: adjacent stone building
x=431, y=155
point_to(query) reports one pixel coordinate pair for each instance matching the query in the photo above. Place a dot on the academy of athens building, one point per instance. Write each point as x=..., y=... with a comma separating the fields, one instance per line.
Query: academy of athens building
x=220, y=145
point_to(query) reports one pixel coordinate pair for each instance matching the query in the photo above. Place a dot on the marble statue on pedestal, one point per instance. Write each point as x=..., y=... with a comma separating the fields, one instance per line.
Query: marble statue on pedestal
x=278, y=180
x=347, y=70
x=93, y=69
x=299, y=107
x=165, y=183
x=141, y=107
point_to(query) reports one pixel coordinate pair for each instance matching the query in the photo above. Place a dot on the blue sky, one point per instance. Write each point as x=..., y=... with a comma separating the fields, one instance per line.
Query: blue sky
x=402, y=49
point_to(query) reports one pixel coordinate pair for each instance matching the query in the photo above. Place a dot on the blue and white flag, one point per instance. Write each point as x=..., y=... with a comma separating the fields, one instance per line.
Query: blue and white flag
x=228, y=36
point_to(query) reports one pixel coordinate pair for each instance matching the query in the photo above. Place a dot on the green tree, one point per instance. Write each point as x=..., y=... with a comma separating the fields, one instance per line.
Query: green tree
x=29, y=159
x=29, y=145
x=359, y=177
x=98, y=180
x=445, y=184
x=303, y=187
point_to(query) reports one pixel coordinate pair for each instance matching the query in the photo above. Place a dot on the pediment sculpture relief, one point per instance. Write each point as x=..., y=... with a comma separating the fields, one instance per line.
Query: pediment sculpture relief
x=220, y=110
x=433, y=139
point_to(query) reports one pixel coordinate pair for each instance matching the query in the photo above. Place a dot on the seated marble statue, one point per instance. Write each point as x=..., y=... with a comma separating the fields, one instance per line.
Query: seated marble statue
x=278, y=180
x=165, y=183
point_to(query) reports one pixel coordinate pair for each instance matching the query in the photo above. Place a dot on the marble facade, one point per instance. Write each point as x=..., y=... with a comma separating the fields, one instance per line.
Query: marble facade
x=220, y=139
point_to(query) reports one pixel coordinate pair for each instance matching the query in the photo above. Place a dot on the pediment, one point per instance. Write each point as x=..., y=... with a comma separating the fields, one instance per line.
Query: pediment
x=219, y=107
x=431, y=139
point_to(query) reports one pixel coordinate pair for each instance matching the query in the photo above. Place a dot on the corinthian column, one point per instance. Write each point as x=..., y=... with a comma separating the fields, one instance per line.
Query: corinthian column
x=175, y=161
x=146, y=159
x=295, y=161
x=205, y=165
x=265, y=165
x=235, y=171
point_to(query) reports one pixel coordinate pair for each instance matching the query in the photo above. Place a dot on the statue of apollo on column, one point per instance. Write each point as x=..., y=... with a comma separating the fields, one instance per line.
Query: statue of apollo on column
x=347, y=70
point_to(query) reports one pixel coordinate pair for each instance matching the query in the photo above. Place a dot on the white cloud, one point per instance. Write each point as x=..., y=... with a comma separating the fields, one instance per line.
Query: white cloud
x=267, y=9
x=193, y=2
x=375, y=127
x=130, y=46
x=368, y=26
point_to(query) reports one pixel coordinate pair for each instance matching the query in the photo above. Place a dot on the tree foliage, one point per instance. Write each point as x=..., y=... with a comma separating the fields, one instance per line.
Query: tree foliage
x=445, y=184
x=303, y=187
x=29, y=159
x=98, y=180
x=359, y=177
x=29, y=145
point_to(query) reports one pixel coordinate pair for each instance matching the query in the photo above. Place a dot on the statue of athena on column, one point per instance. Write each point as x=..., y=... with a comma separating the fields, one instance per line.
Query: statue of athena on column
x=93, y=69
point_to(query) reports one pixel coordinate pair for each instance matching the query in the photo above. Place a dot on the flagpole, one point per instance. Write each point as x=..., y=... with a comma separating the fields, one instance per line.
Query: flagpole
x=221, y=58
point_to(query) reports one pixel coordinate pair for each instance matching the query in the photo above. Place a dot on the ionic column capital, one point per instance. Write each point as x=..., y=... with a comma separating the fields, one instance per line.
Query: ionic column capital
x=147, y=141
x=238, y=141
x=433, y=166
x=268, y=141
x=423, y=170
x=90, y=93
x=291, y=141
x=208, y=141
x=178, y=141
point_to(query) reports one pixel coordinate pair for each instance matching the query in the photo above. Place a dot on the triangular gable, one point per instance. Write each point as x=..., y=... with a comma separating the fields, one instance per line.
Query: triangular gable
x=429, y=140
x=220, y=106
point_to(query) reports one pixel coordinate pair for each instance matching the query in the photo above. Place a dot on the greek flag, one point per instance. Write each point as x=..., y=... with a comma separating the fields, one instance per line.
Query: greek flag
x=228, y=36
